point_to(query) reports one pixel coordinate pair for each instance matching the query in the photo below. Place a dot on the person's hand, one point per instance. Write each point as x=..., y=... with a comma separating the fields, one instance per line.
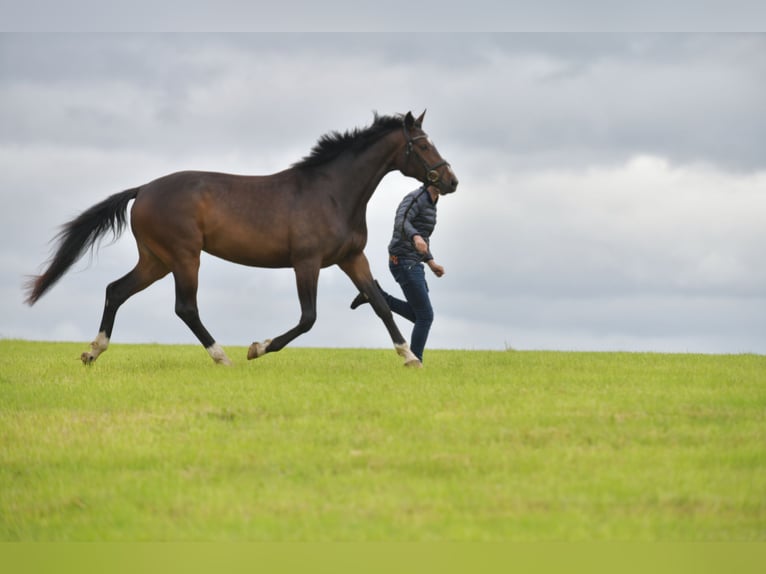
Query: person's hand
x=436, y=268
x=420, y=244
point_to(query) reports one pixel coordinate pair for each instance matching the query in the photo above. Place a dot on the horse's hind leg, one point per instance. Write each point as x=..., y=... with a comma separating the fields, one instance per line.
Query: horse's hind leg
x=186, y=278
x=147, y=271
x=357, y=268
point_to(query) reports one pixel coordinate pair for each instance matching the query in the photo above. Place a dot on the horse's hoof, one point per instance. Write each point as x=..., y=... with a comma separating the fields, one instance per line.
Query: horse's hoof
x=218, y=355
x=87, y=358
x=222, y=360
x=410, y=360
x=258, y=350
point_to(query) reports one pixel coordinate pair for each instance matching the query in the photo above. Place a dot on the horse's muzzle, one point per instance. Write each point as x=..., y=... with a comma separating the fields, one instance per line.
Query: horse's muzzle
x=448, y=183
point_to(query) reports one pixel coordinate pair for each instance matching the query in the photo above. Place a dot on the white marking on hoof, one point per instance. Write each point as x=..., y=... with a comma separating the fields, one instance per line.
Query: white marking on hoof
x=410, y=360
x=217, y=353
x=98, y=346
x=258, y=349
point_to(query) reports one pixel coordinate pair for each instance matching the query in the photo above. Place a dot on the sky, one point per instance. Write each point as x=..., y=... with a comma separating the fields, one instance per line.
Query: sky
x=612, y=195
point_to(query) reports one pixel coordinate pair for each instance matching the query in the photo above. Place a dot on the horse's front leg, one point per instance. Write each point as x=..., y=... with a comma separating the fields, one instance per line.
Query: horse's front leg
x=307, y=278
x=358, y=269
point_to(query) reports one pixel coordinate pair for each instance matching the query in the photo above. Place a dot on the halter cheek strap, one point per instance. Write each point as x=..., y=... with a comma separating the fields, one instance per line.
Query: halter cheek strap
x=432, y=176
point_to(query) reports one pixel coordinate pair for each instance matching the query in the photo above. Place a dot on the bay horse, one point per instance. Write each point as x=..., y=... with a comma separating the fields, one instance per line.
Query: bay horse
x=309, y=216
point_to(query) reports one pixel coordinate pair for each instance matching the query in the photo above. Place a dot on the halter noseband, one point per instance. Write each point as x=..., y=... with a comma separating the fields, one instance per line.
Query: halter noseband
x=432, y=175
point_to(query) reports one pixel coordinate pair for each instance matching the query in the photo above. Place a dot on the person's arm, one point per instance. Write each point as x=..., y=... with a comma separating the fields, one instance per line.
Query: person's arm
x=420, y=244
x=408, y=211
x=422, y=247
x=436, y=268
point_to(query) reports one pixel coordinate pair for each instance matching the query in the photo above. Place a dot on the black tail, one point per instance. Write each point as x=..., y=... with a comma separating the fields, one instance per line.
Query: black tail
x=79, y=235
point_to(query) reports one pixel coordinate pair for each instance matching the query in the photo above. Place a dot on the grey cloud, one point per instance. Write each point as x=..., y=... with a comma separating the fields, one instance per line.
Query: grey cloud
x=688, y=98
x=572, y=98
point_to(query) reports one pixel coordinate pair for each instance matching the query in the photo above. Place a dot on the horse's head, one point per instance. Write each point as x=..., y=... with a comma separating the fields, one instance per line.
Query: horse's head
x=421, y=158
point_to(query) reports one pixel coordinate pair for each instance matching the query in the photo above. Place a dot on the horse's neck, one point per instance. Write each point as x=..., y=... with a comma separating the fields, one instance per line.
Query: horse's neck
x=361, y=176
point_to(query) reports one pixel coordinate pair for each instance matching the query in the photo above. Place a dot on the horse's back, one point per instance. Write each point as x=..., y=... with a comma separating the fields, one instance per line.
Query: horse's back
x=244, y=219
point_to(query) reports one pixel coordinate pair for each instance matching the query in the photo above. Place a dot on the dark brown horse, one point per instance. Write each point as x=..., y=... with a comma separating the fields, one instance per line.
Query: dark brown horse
x=309, y=216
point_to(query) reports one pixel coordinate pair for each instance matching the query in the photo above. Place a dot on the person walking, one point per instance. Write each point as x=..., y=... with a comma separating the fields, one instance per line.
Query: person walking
x=408, y=252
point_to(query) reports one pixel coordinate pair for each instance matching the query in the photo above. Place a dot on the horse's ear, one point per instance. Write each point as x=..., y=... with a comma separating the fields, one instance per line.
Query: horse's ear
x=419, y=121
x=409, y=120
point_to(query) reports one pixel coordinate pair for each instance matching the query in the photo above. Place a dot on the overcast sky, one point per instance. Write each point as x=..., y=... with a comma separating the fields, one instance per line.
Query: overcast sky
x=612, y=196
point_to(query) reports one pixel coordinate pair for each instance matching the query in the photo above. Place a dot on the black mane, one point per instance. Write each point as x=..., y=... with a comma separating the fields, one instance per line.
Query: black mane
x=331, y=145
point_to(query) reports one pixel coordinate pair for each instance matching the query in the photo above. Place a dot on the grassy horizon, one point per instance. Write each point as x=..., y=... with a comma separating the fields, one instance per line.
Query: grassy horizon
x=154, y=442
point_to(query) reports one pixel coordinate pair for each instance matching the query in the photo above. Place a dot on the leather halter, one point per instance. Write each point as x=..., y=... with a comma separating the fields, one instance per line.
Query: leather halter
x=432, y=176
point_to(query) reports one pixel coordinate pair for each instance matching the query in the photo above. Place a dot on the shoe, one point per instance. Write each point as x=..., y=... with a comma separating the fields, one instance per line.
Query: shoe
x=360, y=299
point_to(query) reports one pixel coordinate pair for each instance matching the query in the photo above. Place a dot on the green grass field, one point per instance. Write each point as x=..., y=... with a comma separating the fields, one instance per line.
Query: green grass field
x=157, y=443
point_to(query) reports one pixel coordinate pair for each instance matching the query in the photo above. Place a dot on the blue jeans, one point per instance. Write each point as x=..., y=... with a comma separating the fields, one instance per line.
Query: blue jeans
x=417, y=307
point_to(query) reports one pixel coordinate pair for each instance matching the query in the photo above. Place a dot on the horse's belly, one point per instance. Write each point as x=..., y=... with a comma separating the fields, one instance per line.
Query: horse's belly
x=252, y=251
